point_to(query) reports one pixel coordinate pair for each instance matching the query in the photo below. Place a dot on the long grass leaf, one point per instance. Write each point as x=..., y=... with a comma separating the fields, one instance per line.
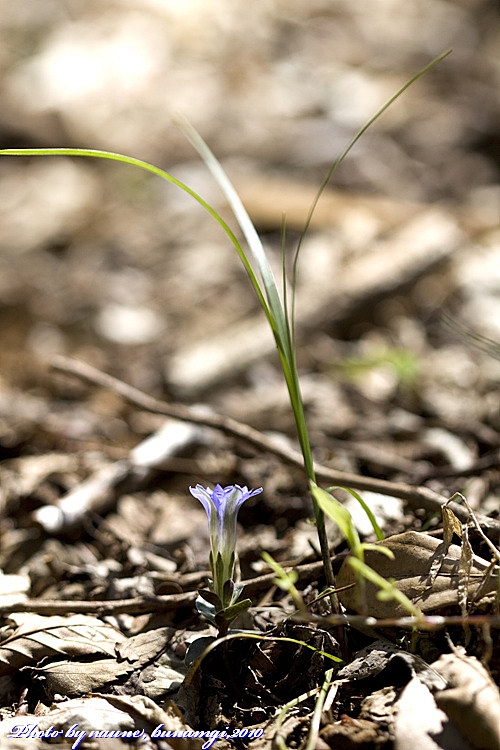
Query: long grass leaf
x=338, y=513
x=376, y=528
x=131, y=161
x=279, y=322
x=338, y=161
x=388, y=589
x=246, y=225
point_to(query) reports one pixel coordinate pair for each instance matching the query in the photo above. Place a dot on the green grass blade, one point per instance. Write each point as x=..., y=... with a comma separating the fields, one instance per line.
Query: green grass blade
x=338, y=513
x=388, y=588
x=286, y=581
x=278, y=319
x=376, y=528
x=279, y=316
x=247, y=227
x=312, y=738
x=343, y=155
x=131, y=161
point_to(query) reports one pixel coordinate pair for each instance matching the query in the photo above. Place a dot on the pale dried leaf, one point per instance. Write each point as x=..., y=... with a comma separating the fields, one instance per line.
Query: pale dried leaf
x=464, y=570
x=380, y=706
x=37, y=636
x=420, y=723
x=451, y=525
x=78, y=677
x=141, y=648
x=163, y=671
x=95, y=712
x=89, y=714
x=160, y=679
x=146, y=713
x=19, y=743
x=472, y=700
x=414, y=554
x=373, y=659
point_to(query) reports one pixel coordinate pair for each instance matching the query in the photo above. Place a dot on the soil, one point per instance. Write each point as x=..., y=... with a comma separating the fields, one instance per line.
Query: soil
x=134, y=354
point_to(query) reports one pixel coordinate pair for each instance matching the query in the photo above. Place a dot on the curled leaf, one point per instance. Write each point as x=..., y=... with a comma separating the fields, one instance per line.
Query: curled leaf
x=414, y=554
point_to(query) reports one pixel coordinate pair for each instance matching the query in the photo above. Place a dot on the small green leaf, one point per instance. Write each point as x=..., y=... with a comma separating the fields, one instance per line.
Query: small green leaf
x=338, y=513
x=238, y=588
x=285, y=580
x=379, y=548
x=197, y=647
x=211, y=598
x=206, y=609
x=367, y=509
x=228, y=614
x=388, y=588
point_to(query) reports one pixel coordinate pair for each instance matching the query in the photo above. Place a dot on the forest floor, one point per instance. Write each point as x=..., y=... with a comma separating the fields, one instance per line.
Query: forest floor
x=133, y=356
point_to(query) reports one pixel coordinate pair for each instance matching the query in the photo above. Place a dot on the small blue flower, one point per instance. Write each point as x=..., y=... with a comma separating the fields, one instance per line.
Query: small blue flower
x=221, y=505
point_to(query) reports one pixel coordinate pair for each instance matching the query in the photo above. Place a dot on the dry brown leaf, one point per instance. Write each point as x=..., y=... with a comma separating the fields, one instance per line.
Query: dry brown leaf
x=349, y=732
x=464, y=569
x=472, y=700
x=143, y=647
x=78, y=678
x=420, y=723
x=146, y=713
x=373, y=659
x=451, y=525
x=83, y=716
x=37, y=636
x=414, y=554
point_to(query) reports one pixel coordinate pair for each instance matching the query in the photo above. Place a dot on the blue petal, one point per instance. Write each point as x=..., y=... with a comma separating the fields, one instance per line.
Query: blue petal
x=204, y=496
x=225, y=500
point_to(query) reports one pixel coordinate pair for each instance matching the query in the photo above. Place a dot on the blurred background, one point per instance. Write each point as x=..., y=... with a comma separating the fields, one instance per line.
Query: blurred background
x=112, y=265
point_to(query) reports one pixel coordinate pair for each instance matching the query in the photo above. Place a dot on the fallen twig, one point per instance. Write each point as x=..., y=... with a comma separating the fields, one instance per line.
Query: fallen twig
x=173, y=602
x=95, y=494
x=417, y=497
x=141, y=605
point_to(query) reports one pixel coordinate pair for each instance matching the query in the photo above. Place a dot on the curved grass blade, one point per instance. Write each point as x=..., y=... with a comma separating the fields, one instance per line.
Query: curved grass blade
x=338, y=161
x=388, y=588
x=248, y=635
x=338, y=513
x=376, y=528
x=279, y=323
x=318, y=710
x=146, y=166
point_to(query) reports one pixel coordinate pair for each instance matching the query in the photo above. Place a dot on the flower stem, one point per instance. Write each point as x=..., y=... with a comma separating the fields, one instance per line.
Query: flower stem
x=305, y=446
